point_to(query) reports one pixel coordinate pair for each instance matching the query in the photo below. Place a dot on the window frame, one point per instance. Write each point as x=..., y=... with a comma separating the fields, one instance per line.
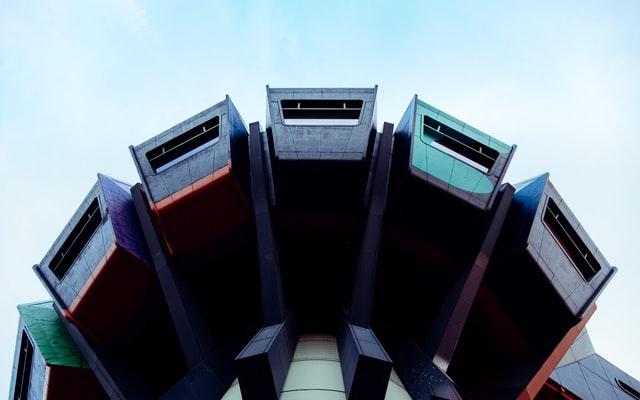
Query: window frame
x=563, y=246
x=95, y=205
x=332, y=121
x=25, y=360
x=215, y=126
x=493, y=155
x=628, y=389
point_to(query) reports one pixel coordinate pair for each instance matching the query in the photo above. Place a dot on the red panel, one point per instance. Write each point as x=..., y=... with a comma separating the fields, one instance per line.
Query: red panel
x=111, y=296
x=541, y=377
x=202, y=212
x=65, y=383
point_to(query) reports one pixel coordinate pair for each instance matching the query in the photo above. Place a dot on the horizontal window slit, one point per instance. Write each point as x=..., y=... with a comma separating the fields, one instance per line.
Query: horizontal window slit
x=185, y=145
x=77, y=240
x=23, y=374
x=573, y=245
x=459, y=145
x=321, y=112
x=628, y=389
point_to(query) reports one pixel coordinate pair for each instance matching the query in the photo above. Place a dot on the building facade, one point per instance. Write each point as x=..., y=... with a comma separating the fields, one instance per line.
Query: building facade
x=322, y=257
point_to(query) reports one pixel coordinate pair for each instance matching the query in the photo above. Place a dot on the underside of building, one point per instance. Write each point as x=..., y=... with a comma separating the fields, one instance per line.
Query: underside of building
x=319, y=257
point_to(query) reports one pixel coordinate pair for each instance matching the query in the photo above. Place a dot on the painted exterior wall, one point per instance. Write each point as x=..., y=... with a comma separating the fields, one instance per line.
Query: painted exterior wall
x=316, y=142
x=38, y=369
x=119, y=226
x=531, y=233
x=594, y=378
x=232, y=133
x=419, y=152
x=69, y=287
x=193, y=198
x=445, y=167
x=52, y=347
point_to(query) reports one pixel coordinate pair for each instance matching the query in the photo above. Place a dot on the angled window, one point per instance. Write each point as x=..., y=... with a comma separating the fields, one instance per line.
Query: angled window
x=185, y=145
x=77, y=239
x=570, y=242
x=23, y=373
x=628, y=389
x=321, y=112
x=458, y=145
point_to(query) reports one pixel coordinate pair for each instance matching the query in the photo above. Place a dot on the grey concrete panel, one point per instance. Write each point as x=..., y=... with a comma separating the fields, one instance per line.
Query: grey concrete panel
x=37, y=381
x=119, y=225
x=189, y=168
x=310, y=141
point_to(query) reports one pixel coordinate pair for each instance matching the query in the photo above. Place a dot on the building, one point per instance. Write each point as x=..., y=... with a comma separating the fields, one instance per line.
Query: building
x=319, y=258
x=47, y=363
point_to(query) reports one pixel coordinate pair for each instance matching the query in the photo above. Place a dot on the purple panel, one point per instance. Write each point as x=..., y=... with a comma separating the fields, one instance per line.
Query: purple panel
x=123, y=217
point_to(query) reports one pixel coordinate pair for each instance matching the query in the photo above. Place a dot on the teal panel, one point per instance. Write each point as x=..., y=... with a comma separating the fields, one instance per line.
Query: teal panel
x=424, y=108
x=467, y=178
x=439, y=164
x=420, y=155
x=446, y=167
x=50, y=336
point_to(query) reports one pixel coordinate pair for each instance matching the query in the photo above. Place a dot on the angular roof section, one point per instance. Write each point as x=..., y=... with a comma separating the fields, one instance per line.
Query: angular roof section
x=49, y=335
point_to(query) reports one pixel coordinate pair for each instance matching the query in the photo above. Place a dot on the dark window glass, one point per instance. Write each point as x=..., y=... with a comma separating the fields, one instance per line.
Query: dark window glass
x=627, y=388
x=469, y=149
x=184, y=145
x=568, y=238
x=77, y=239
x=23, y=374
x=321, y=109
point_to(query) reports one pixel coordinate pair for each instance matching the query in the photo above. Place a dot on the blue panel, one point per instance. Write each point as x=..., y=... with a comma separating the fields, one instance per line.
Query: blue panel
x=572, y=378
x=524, y=206
x=593, y=377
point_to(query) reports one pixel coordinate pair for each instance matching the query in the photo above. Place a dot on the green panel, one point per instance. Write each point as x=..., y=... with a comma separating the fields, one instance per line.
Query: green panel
x=50, y=336
x=443, y=166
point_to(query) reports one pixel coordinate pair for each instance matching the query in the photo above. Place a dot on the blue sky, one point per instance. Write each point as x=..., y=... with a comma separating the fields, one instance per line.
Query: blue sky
x=80, y=81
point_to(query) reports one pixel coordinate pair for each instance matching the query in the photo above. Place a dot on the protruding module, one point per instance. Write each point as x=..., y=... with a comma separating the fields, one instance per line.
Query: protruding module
x=444, y=182
x=321, y=143
x=543, y=242
x=47, y=364
x=445, y=176
x=198, y=171
x=450, y=155
x=99, y=253
x=540, y=289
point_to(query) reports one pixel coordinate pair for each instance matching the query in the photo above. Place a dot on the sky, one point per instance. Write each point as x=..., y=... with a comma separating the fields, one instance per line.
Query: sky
x=80, y=81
